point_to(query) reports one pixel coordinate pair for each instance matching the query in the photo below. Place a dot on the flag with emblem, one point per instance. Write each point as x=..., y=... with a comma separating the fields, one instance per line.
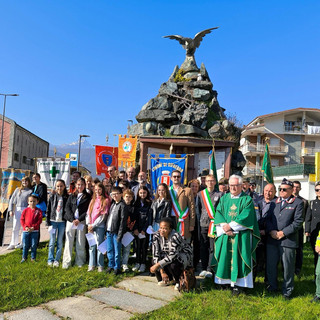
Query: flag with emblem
x=106, y=157
x=52, y=169
x=266, y=165
x=213, y=167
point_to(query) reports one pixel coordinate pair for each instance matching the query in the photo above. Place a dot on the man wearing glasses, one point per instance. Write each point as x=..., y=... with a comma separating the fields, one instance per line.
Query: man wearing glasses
x=112, y=170
x=183, y=206
x=237, y=236
x=282, y=228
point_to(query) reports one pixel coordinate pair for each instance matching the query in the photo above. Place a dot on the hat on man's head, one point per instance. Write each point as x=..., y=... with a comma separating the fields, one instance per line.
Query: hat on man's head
x=287, y=182
x=246, y=180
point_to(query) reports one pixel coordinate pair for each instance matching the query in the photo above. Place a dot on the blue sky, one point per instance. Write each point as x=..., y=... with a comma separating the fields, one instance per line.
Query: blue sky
x=86, y=67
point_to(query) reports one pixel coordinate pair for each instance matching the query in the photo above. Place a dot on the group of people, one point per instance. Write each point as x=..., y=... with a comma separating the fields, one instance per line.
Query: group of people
x=234, y=232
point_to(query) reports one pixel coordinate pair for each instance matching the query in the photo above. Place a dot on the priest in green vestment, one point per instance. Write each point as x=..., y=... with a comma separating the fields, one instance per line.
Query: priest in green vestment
x=237, y=236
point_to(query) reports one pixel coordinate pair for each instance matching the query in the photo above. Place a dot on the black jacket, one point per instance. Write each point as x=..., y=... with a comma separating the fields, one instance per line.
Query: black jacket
x=41, y=191
x=161, y=210
x=52, y=207
x=313, y=218
x=119, y=219
x=71, y=207
x=287, y=219
x=144, y=217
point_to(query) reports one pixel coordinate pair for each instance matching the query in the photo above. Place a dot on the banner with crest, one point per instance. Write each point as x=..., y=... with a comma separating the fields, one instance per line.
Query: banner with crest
x=105, y=157
x=127, y=151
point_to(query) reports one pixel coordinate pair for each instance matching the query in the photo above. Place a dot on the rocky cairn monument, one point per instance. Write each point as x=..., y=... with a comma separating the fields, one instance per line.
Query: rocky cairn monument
x=186, y=104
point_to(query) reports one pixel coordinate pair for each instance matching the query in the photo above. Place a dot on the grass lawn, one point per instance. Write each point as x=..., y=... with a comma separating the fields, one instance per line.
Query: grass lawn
x=210, y=303
x=29, y=284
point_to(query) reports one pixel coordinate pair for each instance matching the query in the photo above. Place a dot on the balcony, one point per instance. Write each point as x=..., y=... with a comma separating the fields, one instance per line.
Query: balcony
x=259, y=149
x=252, y=171
x=309, y=152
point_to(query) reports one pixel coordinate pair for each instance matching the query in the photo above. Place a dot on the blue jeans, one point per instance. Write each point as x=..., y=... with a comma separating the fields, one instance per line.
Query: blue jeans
x=30, y=239
x=113, y=251
x=126, y=253
x=95, y=256
x=60, y=229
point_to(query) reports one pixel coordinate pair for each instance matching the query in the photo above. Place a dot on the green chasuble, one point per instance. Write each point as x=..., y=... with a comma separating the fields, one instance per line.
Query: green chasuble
x=233, y=256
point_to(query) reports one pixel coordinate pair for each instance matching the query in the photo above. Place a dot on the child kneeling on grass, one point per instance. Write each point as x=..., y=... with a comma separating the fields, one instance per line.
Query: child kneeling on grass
x=31, y=219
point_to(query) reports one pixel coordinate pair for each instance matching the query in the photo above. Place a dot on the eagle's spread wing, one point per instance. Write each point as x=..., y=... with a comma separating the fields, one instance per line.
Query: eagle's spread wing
x=199, y=36
x=181, y=39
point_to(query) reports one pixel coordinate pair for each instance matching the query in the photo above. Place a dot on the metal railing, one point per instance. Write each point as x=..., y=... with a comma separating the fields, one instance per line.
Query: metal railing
x=260, y=148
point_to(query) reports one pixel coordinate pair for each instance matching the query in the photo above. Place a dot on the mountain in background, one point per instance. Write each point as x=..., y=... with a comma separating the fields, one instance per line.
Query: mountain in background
x=87, y=158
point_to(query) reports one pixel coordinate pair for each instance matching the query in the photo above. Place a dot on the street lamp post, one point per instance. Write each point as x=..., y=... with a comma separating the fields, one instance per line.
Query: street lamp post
x=81, y=136
x=3, y=113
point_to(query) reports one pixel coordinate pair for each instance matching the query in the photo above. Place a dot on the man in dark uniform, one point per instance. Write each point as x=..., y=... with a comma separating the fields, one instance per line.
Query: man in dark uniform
x=299, y=250
x=282, y=228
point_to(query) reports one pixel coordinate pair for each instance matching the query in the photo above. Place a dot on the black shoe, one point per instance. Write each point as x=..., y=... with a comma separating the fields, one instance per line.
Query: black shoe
x=315, y=299
x=235, y=291
x=116, y=272
x=109, y=270
x=287, y=297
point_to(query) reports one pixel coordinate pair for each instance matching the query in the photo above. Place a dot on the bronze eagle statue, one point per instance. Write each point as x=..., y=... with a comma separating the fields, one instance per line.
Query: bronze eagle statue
x=190, y=45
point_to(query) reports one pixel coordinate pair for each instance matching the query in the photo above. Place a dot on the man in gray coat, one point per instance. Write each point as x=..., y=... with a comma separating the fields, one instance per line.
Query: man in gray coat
x=282, y=228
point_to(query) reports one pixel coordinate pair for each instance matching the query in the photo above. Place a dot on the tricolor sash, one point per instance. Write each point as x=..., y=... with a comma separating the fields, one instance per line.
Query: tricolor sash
x=210, y=209
x=180, y=214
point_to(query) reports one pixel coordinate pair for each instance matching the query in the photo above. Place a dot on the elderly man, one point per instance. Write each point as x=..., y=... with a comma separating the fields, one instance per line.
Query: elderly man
x=183, y=206
x=265, y=207
x=142, y=181
x=282, y=228
x=237, y=235
x=207, y=201
x=131, y=172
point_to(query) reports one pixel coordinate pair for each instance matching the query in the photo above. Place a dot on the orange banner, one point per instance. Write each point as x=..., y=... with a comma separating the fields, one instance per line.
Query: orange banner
x=127, y=150
x=106, y=157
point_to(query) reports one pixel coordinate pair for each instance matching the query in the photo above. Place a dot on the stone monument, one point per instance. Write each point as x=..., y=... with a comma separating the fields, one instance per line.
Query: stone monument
x=186, y=104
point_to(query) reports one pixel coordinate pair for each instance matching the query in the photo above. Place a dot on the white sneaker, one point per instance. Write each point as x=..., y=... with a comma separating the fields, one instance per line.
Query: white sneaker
x=136, y=267
x=11, y=247
x=203, y=273
x=19, y=246
x=162, y=284
x=142, y=268
x=50, y=263
x=177, y=287
x=100, y=269
x=125, y=268
x=56, y=264
x=90, y=268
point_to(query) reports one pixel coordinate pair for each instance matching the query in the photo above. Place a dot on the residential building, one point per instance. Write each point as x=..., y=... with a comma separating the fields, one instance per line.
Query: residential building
x=293, y=136
x=20, y=147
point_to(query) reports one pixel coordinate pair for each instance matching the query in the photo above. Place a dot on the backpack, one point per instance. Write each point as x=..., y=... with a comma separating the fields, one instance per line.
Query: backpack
x=187, y=280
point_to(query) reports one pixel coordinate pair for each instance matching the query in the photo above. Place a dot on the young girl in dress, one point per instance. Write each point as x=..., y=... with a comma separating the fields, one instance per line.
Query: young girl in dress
x=96, y=218
x=144, y=219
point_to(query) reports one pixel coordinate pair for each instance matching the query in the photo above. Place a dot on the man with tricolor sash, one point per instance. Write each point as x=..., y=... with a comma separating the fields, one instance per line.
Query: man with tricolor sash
x=237, y=236
x=183, y=206
x=207, y=201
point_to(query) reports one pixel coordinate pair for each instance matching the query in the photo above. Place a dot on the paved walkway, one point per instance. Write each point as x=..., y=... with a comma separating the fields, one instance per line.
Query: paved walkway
x=132, y=296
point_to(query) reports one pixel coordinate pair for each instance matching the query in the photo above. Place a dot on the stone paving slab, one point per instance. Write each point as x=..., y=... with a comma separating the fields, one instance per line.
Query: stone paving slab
x=84, y=308
x=125, y=300
x=148, y=288
x=30, y=314
x=147, y=278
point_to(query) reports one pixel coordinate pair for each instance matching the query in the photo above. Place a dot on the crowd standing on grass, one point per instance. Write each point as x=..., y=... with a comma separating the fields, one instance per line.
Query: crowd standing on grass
x=225, y=231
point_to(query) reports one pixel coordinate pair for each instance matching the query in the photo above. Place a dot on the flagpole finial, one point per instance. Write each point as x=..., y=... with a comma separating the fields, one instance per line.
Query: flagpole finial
x=171, y=148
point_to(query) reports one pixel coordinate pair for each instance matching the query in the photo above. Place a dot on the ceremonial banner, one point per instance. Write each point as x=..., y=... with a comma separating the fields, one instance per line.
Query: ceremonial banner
x=161, y=169
x=127, y=151
x=266, y=166
x=52, y=169
x=10, y=180
x=105, y=157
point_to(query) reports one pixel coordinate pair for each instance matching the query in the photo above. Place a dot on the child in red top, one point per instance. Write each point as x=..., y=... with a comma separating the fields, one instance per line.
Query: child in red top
x=31, y=219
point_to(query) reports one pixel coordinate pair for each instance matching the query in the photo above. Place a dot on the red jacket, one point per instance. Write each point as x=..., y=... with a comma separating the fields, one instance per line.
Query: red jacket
x=31, y=218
